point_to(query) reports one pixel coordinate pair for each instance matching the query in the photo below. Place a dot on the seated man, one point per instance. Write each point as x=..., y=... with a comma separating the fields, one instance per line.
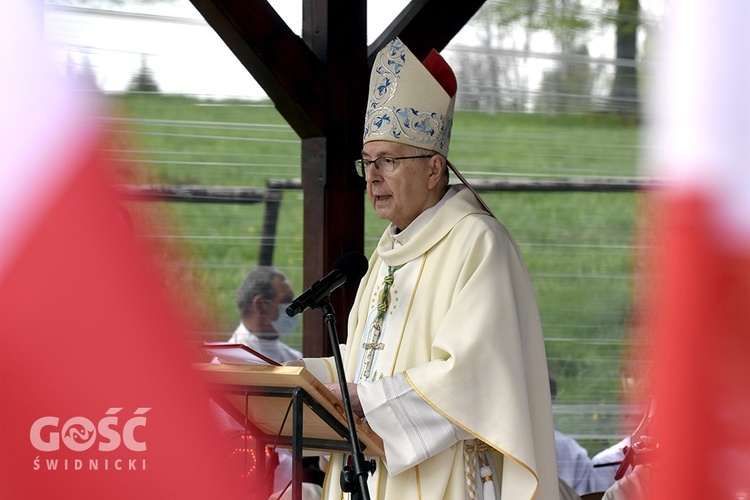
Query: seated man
x=573, y=463
x=262, y=300
x=605, y=465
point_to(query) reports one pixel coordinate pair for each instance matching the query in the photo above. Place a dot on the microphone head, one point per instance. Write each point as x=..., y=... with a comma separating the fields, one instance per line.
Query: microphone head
x=353, y=265
x=349, y=268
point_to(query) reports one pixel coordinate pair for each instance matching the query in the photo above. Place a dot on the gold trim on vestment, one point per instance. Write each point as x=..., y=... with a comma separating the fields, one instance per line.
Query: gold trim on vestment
x=330, y=370
x=497, y=448
x=419, y=482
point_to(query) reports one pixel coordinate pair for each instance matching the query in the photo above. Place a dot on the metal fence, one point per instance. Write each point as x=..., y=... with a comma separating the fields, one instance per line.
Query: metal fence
x=261, y=195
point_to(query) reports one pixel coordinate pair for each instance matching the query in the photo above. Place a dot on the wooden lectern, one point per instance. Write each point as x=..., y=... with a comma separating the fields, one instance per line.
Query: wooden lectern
x=286, y=406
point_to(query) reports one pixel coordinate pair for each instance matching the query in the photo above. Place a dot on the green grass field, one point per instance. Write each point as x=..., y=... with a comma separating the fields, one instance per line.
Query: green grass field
x=580, y=247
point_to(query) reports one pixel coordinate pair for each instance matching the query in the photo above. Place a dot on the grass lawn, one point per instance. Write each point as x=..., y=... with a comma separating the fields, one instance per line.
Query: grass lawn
x=579, y=246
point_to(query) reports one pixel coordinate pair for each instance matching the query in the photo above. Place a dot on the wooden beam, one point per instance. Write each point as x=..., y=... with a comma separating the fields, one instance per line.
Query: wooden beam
x=278, y=59
x=319, y=84
x=193, y=193
x=335, y=30
x=243, y=195
x=426, y=24
x=563, y=185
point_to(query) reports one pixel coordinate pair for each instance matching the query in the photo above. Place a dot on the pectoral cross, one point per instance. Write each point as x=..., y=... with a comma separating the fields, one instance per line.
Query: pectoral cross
x=370, y=348
x=373, y=339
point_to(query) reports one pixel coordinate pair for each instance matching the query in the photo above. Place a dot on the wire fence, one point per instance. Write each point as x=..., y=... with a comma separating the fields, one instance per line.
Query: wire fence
x=212, y=158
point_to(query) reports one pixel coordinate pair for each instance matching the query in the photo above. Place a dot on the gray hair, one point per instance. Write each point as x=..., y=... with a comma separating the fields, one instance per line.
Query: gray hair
x=258, y=282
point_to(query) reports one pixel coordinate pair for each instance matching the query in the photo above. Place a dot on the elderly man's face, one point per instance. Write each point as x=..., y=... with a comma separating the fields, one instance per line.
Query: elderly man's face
x=399, y=196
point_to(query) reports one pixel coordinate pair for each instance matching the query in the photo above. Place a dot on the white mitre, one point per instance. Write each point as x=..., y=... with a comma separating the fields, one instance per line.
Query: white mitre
x=407, y=103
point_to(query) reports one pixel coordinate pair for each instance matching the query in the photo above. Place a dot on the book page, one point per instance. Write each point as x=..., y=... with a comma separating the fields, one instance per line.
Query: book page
x=236, y=354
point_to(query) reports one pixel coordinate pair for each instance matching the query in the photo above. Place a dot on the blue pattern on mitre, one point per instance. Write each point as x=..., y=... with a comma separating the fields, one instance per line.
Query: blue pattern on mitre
x=389, y=118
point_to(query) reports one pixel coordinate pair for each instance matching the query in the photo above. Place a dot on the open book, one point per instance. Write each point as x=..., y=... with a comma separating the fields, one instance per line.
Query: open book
x=237, y=354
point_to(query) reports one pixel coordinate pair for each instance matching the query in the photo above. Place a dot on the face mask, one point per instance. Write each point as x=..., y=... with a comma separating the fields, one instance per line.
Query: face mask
x=285, y=324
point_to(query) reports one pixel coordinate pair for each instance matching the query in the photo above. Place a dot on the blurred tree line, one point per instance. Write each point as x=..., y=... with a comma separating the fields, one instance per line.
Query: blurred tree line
x=497, y=77
x=504, y=73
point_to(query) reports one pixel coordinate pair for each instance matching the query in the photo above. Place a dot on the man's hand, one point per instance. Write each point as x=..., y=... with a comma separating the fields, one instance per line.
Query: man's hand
x=353, y=396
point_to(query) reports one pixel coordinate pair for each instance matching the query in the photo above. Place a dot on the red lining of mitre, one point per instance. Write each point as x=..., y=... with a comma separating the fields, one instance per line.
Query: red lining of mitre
x=442, y=72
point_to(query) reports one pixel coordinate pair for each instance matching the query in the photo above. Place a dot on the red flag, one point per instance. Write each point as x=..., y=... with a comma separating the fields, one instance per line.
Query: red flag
x=99, y=399
x=699, y=310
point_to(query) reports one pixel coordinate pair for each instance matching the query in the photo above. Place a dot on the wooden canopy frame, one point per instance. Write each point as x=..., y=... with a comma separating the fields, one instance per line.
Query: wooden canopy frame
x=318, y=82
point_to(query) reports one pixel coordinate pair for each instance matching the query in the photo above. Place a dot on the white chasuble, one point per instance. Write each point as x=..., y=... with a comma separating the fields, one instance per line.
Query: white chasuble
x=458, y=374
x=412, y=431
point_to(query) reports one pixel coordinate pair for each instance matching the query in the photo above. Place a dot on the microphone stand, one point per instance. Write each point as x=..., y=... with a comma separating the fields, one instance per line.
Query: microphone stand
x=353, y=480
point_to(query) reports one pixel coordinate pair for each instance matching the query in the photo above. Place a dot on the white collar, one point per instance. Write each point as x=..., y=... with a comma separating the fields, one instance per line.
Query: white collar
x=400, y=239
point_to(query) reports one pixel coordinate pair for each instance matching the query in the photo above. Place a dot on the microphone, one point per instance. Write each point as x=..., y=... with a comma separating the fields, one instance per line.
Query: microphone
x=350, y=267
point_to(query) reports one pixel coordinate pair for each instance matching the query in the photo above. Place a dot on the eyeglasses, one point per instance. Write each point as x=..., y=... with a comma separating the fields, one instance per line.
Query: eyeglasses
x=387, y=164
